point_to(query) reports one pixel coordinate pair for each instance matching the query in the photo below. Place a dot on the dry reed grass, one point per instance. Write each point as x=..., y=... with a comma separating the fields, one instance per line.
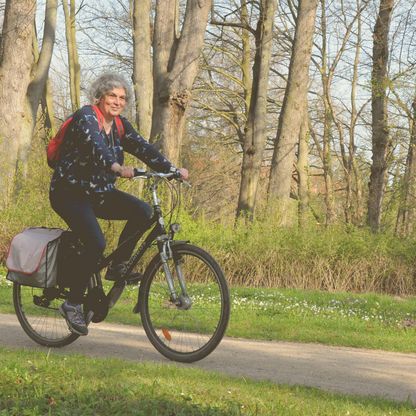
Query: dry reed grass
x=379, y=274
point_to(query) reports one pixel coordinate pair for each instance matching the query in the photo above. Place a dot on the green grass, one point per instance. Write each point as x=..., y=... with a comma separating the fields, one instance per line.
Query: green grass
x=34, y=383
x=365, y=320
x=345, y=319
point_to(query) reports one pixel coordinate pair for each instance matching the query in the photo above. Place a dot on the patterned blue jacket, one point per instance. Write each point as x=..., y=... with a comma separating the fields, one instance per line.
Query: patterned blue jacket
x=88, y=153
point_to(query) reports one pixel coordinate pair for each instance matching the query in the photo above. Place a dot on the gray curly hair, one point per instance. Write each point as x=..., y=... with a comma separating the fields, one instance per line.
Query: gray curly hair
x=105, y=83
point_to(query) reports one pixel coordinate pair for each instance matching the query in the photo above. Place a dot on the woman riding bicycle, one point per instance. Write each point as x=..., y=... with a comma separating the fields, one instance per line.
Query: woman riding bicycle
x=83, y=185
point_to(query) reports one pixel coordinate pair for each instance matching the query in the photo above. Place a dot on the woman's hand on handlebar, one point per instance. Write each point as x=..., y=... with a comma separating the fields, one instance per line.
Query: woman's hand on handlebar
x=122, y=171
x=184, y=173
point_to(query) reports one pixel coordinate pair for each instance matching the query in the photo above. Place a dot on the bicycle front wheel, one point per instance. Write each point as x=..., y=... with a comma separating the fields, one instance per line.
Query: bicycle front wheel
x=38, y=314
x=190, y=330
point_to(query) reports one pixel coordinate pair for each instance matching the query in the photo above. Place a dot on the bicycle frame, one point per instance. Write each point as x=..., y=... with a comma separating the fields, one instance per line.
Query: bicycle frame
x=163, y=239
x=185, y=326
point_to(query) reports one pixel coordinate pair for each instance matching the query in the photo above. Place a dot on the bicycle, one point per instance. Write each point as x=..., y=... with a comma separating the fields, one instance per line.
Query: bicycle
x=183, y=297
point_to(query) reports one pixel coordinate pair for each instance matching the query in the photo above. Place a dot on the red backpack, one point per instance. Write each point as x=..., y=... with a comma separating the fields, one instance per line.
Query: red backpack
x=54, y=145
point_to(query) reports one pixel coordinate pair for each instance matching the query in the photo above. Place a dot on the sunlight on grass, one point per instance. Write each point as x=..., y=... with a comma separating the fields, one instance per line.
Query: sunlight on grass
x=345, y=319
x=364, y=307
x=34, y=383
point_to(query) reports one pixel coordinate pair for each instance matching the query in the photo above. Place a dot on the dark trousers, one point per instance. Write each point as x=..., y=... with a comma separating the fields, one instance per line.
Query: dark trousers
x=80, y=212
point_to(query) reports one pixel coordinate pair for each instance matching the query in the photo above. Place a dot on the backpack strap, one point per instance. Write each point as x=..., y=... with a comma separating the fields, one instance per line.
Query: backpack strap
x=120, y=127
x=117, y=119
x=99, y=115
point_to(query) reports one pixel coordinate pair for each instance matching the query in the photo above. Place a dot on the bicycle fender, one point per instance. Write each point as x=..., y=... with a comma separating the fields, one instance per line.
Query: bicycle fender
x=177, y=242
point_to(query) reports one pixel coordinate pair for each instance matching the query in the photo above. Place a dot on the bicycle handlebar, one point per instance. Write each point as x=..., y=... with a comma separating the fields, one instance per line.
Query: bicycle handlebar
x=143, y=174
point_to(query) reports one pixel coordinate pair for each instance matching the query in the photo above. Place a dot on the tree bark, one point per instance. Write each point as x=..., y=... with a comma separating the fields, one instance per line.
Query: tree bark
x=291, y=116
x=326, y=76
x=246, y=61
x=73, y=60
x=380, y=134
x=48, y=109
x=35, y=90
x=303, y=167
x=255, y=130
x=175, y=66
x=407, y=208
x=356, y=204
x=142, y=65
x=25, y=81
x=15, y=69
x=327, y=159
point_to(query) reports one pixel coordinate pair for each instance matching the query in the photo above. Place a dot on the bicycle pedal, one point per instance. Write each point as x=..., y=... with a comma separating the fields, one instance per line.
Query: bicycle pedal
x=89, y=317
x=134, y=278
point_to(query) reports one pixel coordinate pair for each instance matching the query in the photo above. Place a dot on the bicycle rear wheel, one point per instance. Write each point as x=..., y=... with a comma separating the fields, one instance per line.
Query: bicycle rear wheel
x=38, y=314
x=191, y=331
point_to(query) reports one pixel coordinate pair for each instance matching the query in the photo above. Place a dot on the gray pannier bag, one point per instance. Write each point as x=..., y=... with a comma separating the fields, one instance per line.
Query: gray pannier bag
x=32, y=257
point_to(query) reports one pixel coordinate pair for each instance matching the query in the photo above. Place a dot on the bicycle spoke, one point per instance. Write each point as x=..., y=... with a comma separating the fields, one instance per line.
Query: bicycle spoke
x=44, y=325
x=189, y=330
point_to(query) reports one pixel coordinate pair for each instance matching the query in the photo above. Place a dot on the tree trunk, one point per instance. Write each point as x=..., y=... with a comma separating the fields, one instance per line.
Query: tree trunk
x=48, y=109
x=142, y=65
x=255, y=130
x=291, y=116
x=15, y=69
x=303, y=168
x=36, y=88
x=175, y=66
x=406, y=213
x=246, y=61
x=327, y=164
x=346, y=167
x=356, y=208
x=380, y=134
x=73, y=60
x=327, y=128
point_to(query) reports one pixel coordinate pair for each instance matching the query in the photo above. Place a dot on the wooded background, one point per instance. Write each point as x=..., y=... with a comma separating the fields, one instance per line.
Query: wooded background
x=299, y=111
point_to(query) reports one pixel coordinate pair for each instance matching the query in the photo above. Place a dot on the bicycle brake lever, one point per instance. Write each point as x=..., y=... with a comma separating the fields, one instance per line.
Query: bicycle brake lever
x=186, y=183
x=183, y=181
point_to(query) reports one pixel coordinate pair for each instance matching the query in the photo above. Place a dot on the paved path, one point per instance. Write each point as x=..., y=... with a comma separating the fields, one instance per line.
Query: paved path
x=338, y=369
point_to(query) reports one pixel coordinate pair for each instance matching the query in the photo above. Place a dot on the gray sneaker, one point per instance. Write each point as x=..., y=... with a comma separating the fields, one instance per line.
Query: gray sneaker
x=74, y=317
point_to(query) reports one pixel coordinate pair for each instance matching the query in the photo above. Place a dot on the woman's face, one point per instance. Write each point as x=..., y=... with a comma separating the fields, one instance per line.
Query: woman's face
x=112, y=103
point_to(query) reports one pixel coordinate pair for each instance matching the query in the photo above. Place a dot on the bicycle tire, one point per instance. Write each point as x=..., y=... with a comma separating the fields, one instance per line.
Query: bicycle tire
x=178, y=334
x=44, y=325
